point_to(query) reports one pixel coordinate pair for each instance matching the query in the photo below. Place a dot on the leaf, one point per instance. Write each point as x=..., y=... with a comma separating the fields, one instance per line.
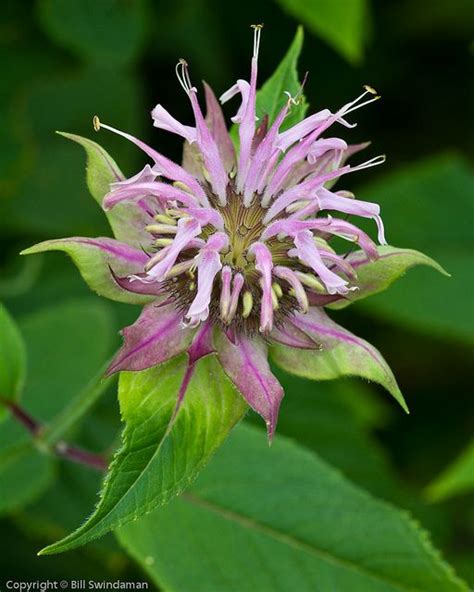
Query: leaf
x=24, y=476
x=344, y=25
x=96, y=259
x=126, y=220
x=342, y=354
x=12, y=359
x=159, y=459
x=49, y=198
x=334, y=418
x=376, y=276
x=418, y=204
x=456, y=479
x=108, y=32
x=66, y=344
x=271, y=97
x=281, y=519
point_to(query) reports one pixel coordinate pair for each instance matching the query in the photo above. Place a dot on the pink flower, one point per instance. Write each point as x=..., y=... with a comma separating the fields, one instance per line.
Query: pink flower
x=237, y=246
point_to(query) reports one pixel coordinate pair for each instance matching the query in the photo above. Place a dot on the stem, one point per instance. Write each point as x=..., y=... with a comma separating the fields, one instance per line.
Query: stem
x=79, y=405
x=61, y=449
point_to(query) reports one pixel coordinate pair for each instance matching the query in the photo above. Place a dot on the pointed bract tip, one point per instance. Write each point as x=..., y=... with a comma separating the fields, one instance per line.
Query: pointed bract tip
x=96, y=123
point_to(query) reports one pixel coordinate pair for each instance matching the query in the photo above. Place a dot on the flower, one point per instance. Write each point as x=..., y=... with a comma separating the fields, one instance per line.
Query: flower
x=236, y=245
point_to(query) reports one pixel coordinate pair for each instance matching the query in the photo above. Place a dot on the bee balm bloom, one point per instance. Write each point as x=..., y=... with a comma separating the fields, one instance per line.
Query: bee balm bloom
x=233, y=250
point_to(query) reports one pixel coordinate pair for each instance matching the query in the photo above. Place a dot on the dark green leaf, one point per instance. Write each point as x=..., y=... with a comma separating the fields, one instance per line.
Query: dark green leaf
x=429, y=206
x=159, y=458
x=24, y=476
x=281, y=519
x=12, y=359
x=344, y=25
x=110, y=32
x=271, y=97
x=456, y=479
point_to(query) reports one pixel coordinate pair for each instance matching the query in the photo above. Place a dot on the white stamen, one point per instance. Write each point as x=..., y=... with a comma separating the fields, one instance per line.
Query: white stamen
x=182, y=74
x=257, y=31
x=380, y=159
x=96, y=123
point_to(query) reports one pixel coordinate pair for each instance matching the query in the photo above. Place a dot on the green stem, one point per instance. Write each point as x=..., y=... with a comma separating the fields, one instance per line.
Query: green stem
x=77, y=408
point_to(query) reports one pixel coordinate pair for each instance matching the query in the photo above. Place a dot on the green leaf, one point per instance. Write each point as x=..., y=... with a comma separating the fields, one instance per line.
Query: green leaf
x=428, y=206
x=108, y=32
x=333, y=418
x=158, y=458
x=281, y=519
x=456, y=479
x=102, y=170
x=12, y=359
x=271, y=97
x=49, y=199
x=95, y=258
x=345, y=355
x=24, y=476
x=376, y=276
x=344, y=25
x=66, y=344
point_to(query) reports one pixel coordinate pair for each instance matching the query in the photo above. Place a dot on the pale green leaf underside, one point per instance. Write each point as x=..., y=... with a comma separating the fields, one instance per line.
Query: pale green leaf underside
x=278, y=519
x=94, y=266
x=158, y=461
x=344, y=359
x=456, y=479
x=376, y=276
x=101, y=171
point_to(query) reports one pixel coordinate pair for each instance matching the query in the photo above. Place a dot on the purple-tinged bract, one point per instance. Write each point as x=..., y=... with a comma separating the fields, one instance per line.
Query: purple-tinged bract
x=238, y=243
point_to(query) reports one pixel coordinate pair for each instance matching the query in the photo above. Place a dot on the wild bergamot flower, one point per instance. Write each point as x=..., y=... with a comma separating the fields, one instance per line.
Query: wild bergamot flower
x=234, y=248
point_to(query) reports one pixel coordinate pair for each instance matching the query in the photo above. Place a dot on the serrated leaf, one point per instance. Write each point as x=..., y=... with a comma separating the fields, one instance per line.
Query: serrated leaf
x=456, y=479
x=271, y=97
x=344, y=25
x=376, y=276
x=281, y=519
x=159, y=459
x=12, y=359
x=96, y=258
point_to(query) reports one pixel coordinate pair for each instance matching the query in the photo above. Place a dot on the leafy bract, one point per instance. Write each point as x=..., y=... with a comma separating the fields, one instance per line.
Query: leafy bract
x=126, y=220
x=342, y=354
x=419, y=204
x=97, y=260
x=272, y=95
x=281, y=519
x=344, y=25
x=159, y=458
x=376, y=276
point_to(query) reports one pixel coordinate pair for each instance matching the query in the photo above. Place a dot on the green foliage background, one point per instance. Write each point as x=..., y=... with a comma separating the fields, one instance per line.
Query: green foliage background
x=63, y=62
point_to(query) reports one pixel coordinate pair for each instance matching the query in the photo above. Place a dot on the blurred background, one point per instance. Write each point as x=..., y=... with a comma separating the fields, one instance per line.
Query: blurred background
x=64, y=61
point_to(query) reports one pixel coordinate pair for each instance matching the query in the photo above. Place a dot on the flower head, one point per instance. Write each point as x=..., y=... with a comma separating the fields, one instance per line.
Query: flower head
x=237, y=245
